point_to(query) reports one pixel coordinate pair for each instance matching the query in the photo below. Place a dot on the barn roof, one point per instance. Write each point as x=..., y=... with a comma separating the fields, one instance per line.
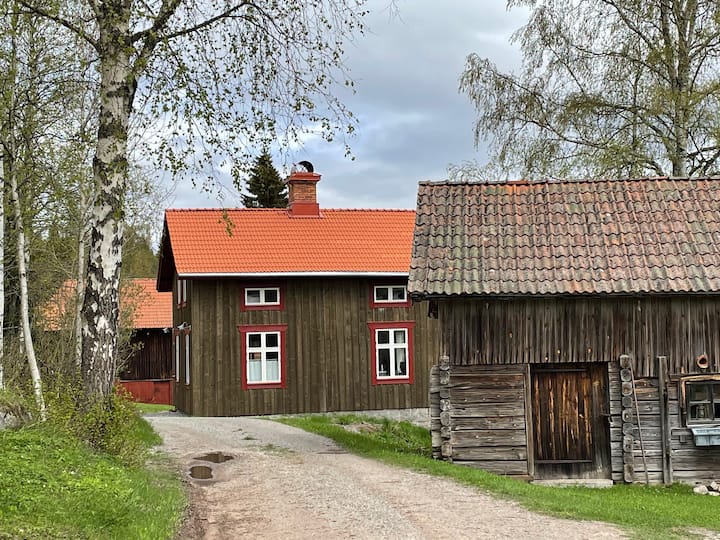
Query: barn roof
x=138, y=299
x=652, y=235
x=272, y=242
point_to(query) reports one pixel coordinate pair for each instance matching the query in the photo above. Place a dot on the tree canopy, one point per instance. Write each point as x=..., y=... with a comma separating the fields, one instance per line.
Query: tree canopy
x=267, y=190
x=606, y=88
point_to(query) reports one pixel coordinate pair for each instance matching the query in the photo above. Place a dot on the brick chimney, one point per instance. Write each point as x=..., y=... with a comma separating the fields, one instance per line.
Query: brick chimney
x=302, y=194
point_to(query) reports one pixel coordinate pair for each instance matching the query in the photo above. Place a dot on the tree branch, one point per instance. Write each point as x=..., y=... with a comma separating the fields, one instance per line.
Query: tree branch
x=61, y=21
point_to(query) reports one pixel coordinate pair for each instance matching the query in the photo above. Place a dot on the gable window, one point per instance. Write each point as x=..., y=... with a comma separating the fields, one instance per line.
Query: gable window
x=177, y=355
x=703, y=401
x=265, y=297
x=392, y=352
x=181, y=289
x=389, y=295
x=263, y=350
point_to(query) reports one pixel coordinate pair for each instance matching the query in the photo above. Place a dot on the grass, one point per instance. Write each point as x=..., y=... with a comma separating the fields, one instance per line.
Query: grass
x=146, y=408
x=53, y=486
x=645, y=512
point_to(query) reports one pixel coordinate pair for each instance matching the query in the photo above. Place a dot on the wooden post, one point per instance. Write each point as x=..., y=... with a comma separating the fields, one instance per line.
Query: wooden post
x=445, y=408
x=529, y=435
x=628, y=428
x=436, y=442
x=664, y=420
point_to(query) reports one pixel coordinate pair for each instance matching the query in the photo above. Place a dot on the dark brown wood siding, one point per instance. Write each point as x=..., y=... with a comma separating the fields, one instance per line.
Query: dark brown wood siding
x=588, y=329
x=151, y=356
x=327, y=349
x=183, y=393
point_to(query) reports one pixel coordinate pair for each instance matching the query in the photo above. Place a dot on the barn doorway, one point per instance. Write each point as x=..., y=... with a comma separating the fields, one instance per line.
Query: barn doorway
x=570, y=428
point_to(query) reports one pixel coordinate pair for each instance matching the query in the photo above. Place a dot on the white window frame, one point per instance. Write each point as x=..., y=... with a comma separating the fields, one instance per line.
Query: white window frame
x=392, y=347
x=177, y=357
x=263, y=291
x=187, y=357
x=181, y=291
x=263, y=350
x=390, y=299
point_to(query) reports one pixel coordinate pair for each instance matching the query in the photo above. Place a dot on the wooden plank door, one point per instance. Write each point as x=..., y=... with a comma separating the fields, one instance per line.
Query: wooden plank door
x=568, y=402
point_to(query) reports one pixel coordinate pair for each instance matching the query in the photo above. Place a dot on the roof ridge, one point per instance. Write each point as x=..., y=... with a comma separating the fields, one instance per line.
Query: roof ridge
x=284, y=210
x=526, y=182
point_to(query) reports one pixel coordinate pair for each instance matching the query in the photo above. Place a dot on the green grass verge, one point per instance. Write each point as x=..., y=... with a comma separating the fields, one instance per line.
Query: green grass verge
x=53, y=486
x=646, y=512
x=145, y=408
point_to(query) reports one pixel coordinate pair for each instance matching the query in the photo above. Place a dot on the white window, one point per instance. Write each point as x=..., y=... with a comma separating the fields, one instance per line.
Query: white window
x=187, y=358
x=391, y=353
x=390, y=294
x=177, y=357
x=262, y=296
x=263, y=357
x=181, y=292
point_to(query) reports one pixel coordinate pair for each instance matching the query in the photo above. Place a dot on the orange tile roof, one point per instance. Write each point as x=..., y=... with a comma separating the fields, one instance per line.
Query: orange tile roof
x=258, y=241
x=150, y=308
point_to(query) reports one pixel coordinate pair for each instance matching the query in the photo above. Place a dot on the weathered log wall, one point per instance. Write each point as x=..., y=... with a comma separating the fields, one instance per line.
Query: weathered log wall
x=480, y=417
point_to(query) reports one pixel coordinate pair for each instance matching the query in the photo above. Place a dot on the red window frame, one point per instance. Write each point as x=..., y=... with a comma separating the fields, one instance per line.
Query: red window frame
x=278, y=307
x=246, y=329
x=375, y=305
x=408, y=326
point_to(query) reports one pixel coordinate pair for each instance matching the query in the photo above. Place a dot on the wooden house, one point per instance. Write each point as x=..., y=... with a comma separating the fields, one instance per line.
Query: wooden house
x=294, y=310
x=580, y=325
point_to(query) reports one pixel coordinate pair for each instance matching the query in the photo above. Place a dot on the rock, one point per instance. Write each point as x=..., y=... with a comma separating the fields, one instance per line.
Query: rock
x=714, y=486
x=714, y=493
x=701, y=490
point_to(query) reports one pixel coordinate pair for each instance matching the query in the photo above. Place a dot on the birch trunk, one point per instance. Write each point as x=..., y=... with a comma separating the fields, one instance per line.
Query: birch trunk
x=24, y=305
x=101, y=300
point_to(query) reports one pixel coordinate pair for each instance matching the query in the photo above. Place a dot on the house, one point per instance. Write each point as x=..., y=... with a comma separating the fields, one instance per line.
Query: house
x=294, y=310
x=146, y=363
x=580, y=325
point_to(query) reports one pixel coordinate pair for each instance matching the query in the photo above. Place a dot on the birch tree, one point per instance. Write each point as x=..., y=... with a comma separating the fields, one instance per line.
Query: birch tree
x=607, y=88
x=209, y=77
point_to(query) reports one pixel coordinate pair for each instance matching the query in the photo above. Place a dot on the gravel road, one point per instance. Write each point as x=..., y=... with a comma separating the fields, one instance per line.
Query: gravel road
x=285, y=483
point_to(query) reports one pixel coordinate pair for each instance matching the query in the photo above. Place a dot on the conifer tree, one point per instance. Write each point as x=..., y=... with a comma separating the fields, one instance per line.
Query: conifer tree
x=267, y=190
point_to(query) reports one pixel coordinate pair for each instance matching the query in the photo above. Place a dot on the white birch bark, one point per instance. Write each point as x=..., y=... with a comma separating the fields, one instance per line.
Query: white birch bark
x=101, y=310
x=24, y=304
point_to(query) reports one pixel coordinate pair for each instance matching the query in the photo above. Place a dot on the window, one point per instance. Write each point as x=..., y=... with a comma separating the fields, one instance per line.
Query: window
x=263, y=350
x=187, y=356
x=703, y=401
x=177, y=355
x=391, y=352
x=181, y=292
x=265, y=297
x=389, y=295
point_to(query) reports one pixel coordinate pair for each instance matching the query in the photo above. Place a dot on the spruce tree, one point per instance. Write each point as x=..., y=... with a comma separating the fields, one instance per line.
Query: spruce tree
x=267, y=190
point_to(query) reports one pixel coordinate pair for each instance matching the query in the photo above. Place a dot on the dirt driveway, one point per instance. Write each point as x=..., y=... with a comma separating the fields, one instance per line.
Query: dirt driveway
x=285, y=483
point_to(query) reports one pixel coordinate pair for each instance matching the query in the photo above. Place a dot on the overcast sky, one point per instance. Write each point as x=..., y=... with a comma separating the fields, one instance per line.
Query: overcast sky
x=413, y=121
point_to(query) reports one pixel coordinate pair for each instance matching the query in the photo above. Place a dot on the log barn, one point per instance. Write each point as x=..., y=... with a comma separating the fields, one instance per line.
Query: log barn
x=293, y=310
x=580, y=326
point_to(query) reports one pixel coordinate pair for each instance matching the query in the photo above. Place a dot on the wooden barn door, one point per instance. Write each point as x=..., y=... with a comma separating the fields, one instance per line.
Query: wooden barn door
x=570, y=431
